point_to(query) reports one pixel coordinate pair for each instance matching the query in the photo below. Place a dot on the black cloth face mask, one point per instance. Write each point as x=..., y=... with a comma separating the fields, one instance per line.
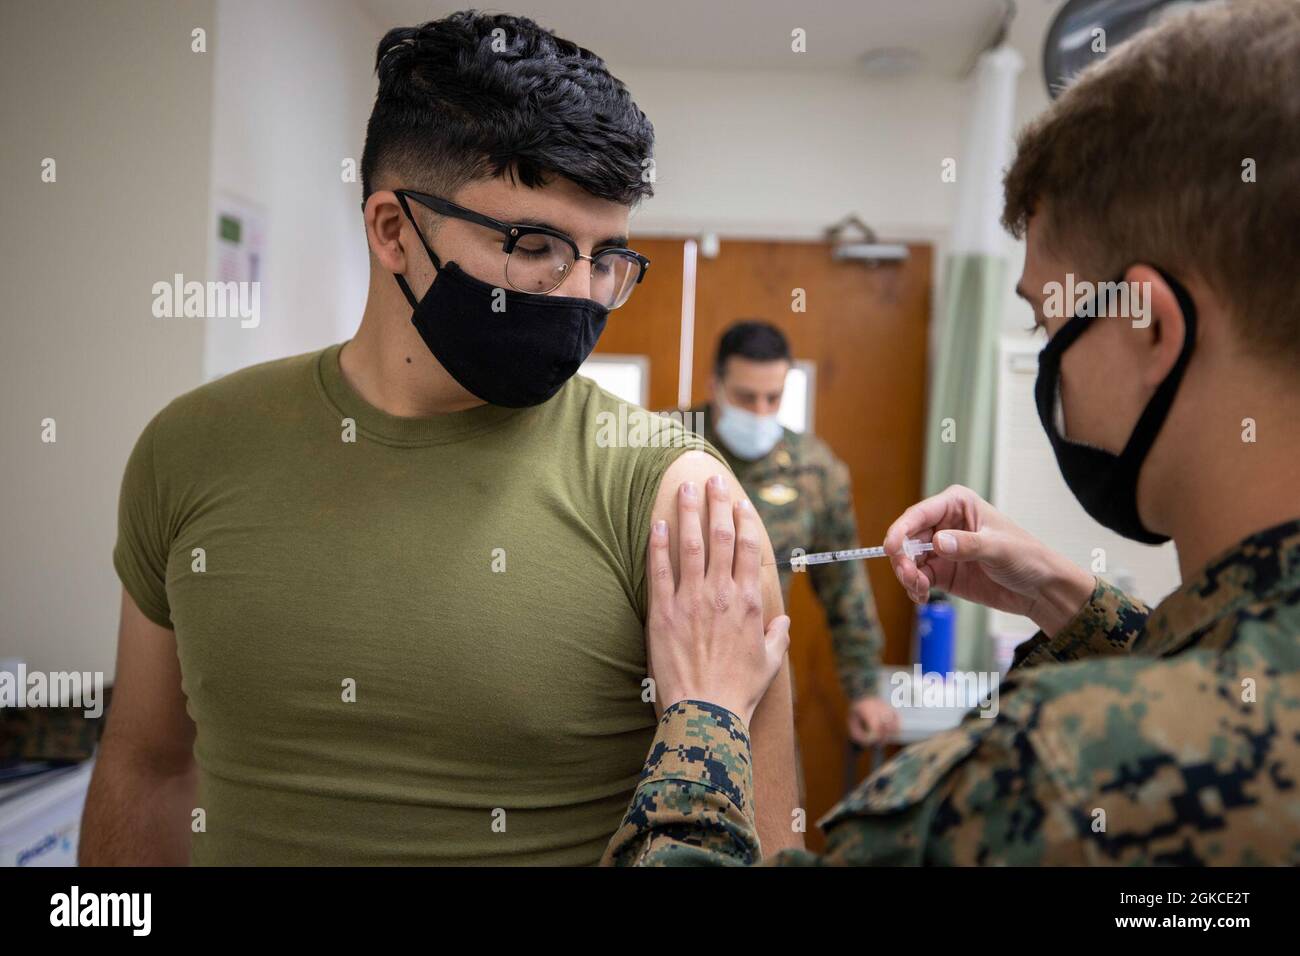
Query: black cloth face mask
x=1103, y=482
x=515, y=356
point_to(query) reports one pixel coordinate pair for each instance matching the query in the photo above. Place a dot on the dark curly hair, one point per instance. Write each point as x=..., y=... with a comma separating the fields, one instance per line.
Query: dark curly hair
x=476, y=95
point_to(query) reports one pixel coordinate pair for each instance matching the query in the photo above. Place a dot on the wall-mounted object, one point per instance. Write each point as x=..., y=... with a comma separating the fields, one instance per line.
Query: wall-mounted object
x=866, y=247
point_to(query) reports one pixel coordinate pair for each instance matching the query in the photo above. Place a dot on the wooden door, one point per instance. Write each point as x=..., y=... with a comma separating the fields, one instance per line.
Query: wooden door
x=650, y=323
x=865, y=329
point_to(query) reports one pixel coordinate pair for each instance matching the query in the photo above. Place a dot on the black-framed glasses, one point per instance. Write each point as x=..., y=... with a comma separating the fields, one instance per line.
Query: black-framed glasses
x=538, y=259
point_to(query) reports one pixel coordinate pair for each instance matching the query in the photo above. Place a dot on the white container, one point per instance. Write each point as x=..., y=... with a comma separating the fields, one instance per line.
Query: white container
x=40, y=824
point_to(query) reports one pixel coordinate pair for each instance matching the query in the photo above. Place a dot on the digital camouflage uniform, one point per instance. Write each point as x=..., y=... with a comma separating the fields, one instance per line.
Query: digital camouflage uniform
x=802, y=493
x=1132, y=737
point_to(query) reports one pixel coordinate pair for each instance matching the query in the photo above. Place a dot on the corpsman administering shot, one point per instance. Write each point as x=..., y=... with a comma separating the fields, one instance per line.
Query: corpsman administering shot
x=1126, y=734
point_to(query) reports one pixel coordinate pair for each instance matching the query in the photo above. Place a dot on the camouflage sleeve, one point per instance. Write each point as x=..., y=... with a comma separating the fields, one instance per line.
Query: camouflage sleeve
x=977, y=795
x=974, y=795
x=844, y=591
x=1105, y=625
x=694, y=802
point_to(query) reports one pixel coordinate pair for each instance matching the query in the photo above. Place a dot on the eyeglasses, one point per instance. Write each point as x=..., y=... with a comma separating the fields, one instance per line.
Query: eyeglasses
x=538, y=260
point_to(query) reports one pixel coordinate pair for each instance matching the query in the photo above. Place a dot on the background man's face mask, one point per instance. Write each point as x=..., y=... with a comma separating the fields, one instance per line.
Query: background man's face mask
x=749, y=436
x=1103, y=482
x=506, y=347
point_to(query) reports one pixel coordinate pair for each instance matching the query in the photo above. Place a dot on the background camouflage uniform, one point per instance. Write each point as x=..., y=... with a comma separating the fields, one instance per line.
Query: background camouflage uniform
x=802, y=493
x=1181, y=726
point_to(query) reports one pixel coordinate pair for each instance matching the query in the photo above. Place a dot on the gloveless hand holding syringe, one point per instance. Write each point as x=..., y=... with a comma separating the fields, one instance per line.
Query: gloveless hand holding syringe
x=911, y=548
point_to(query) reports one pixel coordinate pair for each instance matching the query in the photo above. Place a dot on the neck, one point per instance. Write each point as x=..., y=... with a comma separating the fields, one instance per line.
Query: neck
x=1225, y=488
x=388, y=364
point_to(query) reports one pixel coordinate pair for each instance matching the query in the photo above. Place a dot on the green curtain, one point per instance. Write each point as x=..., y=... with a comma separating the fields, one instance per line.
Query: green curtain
x=963, y=402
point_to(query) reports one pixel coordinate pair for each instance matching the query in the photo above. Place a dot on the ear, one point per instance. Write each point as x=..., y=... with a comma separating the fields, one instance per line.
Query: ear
x=1158, y=321
x=385, y=223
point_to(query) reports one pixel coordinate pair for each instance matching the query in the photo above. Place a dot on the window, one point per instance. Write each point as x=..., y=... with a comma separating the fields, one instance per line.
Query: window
x=797, y=403
x=625, y=376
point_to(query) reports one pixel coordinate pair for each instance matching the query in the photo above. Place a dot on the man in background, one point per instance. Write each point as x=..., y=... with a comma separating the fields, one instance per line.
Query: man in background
x=804, y=496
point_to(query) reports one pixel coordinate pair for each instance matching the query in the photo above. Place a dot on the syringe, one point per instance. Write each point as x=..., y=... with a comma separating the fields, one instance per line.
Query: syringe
x=911, y=548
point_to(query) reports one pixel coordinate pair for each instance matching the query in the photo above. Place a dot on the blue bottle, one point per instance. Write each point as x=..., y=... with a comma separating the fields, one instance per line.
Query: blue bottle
x=936, y=635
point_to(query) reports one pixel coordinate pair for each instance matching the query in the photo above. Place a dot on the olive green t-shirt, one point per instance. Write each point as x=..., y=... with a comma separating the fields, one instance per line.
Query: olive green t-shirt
x=401, y=640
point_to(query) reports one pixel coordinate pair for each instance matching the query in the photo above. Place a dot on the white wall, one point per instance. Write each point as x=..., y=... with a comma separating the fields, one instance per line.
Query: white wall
x=748, y=153
x=144, y=131
x=113, y=93
x=294, y=84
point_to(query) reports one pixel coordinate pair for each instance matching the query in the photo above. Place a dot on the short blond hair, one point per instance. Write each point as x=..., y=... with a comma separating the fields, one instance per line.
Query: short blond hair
x=1146, y=158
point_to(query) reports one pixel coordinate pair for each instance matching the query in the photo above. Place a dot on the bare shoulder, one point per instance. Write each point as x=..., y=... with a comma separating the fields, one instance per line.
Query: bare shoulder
x=698, y=467
x=695, y=466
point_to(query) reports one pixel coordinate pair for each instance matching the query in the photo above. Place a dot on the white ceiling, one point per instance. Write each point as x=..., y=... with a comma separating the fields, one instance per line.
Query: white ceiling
x=753, y=34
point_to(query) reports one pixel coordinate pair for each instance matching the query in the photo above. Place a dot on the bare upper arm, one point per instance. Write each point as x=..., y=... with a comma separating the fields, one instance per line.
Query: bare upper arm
x=699, y=466
x=148, y=716
x=776, y=790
